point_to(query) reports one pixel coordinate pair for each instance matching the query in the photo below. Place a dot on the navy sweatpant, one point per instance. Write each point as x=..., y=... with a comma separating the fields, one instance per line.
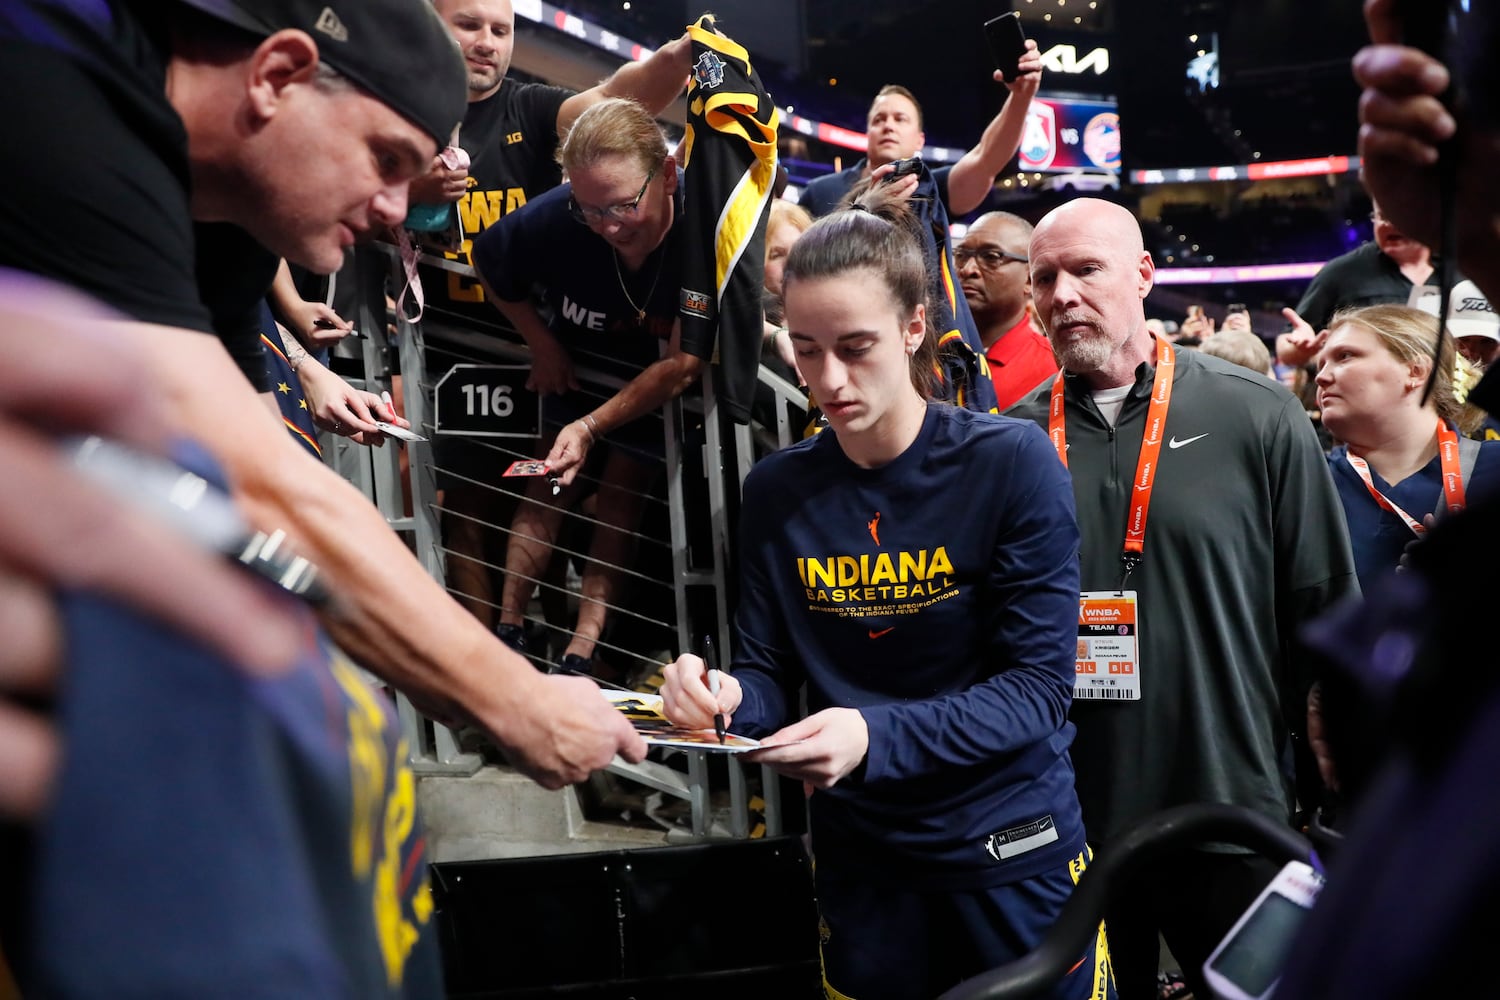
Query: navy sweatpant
x=885, y=943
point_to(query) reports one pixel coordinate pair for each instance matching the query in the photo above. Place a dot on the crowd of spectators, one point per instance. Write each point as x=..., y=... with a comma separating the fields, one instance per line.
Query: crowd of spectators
x=1294, y=229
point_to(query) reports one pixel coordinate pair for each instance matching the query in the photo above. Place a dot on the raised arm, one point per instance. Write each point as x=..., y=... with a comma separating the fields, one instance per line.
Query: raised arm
x=655, y=82
x=974, y=174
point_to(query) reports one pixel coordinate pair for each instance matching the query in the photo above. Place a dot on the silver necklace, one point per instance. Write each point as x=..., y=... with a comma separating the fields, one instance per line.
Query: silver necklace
x=640, y=311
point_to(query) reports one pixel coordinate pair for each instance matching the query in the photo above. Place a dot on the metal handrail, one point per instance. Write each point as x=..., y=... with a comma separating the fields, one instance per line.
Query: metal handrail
x=434, y=748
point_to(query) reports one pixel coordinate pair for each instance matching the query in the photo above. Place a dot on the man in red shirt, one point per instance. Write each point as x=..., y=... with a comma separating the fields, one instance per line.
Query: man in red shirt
x=992, y=266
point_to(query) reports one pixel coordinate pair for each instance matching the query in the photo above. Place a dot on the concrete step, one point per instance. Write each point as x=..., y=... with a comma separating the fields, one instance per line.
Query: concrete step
x=499, y=813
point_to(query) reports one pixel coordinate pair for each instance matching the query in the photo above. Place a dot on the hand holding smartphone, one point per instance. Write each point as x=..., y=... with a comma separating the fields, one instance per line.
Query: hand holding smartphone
x=1247, y=963
x=1007, y=43
x=900, y=168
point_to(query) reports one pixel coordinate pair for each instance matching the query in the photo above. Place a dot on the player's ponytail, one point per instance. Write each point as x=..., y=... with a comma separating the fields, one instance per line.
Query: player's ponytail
x=879, y=235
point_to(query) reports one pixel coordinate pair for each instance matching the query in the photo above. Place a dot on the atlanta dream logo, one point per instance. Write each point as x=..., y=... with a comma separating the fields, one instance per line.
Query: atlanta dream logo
x=1039, y=137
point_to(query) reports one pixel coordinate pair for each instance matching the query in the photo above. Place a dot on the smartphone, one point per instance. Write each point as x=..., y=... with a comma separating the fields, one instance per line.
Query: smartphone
x=1236, y=307
x=900, y=168
x=1007, y=43
x=1247, y=963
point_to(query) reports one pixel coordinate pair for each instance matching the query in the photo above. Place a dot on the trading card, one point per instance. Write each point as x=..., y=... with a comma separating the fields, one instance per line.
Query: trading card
x=398, y=432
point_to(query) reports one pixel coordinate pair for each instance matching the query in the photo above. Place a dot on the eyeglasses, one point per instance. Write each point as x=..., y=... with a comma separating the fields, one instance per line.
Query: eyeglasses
x=622, y=212
x=988, y=258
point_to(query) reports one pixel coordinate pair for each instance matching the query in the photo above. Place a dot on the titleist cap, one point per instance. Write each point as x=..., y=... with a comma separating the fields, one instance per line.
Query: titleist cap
x=397, y=50
x=1469, y=312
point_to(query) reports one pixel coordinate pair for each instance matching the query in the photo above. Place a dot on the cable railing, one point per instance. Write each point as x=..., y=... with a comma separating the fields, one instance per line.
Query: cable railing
x=671, y=590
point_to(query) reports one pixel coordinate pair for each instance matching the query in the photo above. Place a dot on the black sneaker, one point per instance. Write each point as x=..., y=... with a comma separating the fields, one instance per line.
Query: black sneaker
x=572, y=663
x=513, y=636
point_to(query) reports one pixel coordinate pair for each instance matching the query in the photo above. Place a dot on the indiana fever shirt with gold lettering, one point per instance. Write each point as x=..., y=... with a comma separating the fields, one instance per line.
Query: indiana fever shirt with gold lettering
x=938, y=595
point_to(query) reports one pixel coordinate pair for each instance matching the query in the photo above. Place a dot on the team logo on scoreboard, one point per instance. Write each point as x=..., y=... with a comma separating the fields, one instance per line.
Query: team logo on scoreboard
x=1039, y=138
x=1101, y=140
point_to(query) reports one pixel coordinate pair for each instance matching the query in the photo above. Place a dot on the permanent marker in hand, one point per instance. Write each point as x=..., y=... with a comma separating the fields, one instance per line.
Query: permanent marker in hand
x=327, y=324
x=713, y=685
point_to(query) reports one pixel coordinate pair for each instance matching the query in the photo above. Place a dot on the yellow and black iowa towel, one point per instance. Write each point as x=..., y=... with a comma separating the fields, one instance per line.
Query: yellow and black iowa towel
x=729, y=156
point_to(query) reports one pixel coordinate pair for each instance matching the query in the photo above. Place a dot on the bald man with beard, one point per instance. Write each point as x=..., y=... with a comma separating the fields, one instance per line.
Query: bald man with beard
x=1245, y=541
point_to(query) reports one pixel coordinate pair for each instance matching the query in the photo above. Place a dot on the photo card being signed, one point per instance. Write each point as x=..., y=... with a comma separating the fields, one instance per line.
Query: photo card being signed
x=400, y=433
x=645, y=713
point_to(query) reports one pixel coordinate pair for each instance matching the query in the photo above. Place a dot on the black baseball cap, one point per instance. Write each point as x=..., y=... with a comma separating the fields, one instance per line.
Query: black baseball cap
x=397, y=50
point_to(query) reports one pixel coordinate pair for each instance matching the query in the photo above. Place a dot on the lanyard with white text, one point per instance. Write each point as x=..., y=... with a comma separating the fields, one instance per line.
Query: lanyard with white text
x=1453, y=479
x=1145, y=469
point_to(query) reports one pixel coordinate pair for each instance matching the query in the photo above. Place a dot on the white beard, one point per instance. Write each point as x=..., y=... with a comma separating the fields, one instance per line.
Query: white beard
x=1084, y=354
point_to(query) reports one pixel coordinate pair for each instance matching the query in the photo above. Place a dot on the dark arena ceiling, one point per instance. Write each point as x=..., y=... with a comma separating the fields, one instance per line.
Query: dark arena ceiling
x=1284, y=88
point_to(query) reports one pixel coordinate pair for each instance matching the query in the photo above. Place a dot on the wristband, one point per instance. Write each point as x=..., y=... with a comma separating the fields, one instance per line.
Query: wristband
x=593, y=427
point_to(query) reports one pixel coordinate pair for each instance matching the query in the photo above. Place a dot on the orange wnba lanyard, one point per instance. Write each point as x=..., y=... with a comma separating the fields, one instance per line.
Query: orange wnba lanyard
x=1453, y=479
x=1145, y=468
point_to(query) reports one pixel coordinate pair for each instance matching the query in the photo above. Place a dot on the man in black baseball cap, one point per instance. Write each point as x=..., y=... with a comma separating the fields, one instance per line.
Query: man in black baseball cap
x=397, y=51
x=160, y=156
x=298, y=123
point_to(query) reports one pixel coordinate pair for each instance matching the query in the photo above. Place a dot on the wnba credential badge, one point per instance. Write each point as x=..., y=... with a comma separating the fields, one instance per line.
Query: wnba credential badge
x=1019, y=839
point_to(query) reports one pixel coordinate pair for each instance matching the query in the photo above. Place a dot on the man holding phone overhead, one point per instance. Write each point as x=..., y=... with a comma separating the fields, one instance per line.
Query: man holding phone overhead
x=894, y=132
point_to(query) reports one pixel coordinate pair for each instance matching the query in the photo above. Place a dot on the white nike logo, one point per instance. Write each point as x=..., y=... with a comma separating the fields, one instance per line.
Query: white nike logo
x=1175, y=444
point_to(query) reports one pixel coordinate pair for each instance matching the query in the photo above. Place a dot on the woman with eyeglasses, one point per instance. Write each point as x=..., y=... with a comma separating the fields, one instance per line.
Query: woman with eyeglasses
x=604, y=249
